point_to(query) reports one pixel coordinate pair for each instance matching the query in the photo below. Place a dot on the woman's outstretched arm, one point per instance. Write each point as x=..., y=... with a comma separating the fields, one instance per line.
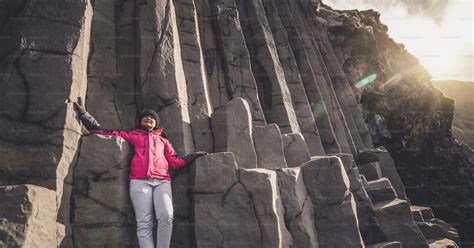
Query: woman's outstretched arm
x=93, y=125
x=177, y=162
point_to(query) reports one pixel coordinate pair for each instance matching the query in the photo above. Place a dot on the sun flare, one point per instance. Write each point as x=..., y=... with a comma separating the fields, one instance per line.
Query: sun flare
x=443, y=46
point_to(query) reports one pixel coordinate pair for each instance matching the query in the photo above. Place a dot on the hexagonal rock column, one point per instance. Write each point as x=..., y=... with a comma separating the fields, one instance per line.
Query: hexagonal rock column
x=299, y=212
x=335, y=210
x=301, y=104
x=396, y=222
x=199, y=104
x=232, y=130
x=387, y=166
x=273, y=89
x=262, y=186
x=295, y=149
x=214, y=173
x=28, y=216
x=299, y=41
x=160, y=71
x=223, y=211
x=269, y=147
x=111, y=96
x=102, y=211
x=240, y=80
x=215, y=73
x=365, y=208
x=226, y=219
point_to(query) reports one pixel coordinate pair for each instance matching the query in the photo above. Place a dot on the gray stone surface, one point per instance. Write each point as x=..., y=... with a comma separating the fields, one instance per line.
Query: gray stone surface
x=381, y=190
x=326, y=180
x=269, y=147
x=44, y=53
x=232, y=130
x=218, y=168
x=371, y=171
x=295, y=149
x=303, y=59
x=301, y=104
x=226, y=220
x=27, y=216
x=199, y=104
x=160, y=71
x=387, y=167
x=395, y=220
x=442, y=243
x=262, y=186
x=101, y=206
x=215, y=74
x=273, y=89
x=337, y=225
x=386, y=245
x=240, y=80
x=299, y=210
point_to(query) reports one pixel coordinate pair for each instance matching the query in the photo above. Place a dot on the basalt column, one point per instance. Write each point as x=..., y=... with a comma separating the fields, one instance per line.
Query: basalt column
x=111, y=95
x=293, y=79
x=240, y=80
x=193, y=62
x=160, y=71
x=272, y=87
x=44, y=51
x=345, y=94
x=313, y=92
x=213, y=60
x=300, y=11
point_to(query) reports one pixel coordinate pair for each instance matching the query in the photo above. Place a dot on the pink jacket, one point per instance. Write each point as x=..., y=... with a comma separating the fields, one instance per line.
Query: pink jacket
x=153, y=153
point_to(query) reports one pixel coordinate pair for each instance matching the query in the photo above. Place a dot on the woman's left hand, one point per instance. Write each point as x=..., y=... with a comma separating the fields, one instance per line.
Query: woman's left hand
x=191, y=157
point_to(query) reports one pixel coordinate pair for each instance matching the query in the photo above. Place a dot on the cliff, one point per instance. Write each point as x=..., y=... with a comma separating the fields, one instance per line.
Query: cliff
x=434, y=168
x=276, y=91
x=462, y=93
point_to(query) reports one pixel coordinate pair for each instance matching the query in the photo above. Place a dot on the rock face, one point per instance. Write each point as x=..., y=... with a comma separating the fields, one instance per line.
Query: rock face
x=28, y=216
x=418, y=116
x=268, y=87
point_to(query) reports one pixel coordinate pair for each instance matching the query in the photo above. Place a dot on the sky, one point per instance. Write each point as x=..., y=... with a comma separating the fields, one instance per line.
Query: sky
x=438, y=32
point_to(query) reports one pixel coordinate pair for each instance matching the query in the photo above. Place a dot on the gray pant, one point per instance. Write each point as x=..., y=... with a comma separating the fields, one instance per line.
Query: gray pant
x=146, y=194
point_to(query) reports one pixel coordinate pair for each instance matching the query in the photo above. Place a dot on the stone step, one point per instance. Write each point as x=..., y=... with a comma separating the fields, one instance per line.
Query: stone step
x=232, y=131
x=394, y=244
x=295, y=149
x=421, y=213
x=381, y=190
x=387, y=167
x=269, y=146
x=442, y=243
x=371, y=171
x=394, y=219
x=431, y=230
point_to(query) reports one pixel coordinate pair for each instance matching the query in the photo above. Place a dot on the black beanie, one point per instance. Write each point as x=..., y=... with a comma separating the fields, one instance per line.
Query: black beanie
x=152, y=113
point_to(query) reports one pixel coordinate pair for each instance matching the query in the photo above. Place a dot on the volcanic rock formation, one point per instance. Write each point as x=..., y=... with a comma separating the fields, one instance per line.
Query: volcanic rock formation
x=267, y=87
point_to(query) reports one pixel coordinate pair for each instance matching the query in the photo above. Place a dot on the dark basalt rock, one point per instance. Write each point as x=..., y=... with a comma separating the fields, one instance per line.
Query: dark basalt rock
x=267, y=87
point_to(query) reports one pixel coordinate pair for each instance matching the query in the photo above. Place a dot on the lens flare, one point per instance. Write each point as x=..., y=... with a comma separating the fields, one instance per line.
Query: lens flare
x=366, y=81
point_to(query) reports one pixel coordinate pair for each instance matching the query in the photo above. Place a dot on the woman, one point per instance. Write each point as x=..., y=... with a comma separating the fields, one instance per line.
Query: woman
x=150, y=181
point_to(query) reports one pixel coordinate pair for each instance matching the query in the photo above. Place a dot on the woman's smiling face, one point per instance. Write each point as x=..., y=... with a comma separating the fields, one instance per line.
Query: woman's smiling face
x=148, y=122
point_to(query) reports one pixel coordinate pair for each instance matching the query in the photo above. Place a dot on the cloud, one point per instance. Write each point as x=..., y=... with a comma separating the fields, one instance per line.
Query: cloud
x=434, y=9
